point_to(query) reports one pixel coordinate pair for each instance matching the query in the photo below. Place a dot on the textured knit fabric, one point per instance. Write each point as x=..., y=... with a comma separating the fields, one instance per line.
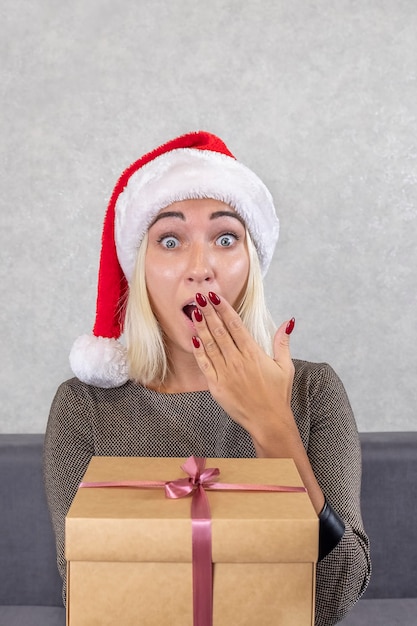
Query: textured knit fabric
x=134, y=421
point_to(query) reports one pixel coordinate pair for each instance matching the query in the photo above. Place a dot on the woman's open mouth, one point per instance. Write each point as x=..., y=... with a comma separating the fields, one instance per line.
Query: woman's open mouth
x=188, y=310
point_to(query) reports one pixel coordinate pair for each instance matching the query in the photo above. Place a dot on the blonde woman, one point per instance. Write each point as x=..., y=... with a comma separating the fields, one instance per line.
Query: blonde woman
x=189, y=234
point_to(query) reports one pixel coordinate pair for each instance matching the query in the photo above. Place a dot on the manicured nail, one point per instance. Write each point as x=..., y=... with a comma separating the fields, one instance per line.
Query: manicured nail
x=198, y=315
x=196, y=342
x=290, y=326
x=214, y=298
x=201, y=300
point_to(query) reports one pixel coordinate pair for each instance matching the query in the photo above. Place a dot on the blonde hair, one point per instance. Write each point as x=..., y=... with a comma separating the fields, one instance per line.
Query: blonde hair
x=146, y=353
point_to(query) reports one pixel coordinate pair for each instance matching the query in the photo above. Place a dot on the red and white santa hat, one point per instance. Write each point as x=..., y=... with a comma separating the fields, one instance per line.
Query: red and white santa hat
x=196, y=165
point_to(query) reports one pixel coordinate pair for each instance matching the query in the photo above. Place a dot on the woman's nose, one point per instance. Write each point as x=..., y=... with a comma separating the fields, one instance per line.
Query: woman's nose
x=200, y=267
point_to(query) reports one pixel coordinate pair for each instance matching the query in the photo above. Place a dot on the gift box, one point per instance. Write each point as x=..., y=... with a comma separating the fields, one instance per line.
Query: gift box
x=129, y=550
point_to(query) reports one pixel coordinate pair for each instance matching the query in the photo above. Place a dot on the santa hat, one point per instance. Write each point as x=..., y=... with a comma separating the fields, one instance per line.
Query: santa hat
x=196, y=165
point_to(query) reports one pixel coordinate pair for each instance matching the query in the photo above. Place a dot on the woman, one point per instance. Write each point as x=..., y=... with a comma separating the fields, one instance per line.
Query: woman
x=189, y=233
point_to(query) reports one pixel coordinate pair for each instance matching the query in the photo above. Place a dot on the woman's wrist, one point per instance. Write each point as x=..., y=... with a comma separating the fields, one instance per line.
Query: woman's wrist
x=275, y=437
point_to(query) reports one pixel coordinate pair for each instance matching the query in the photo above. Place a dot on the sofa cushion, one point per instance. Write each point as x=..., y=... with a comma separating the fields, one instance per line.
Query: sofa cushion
x=32, y=616
x=389, y=509
x=28, y=571
x=383, y=612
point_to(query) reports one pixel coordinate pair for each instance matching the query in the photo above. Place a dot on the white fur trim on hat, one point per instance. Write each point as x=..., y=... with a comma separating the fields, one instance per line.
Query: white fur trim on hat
x=184, y=174
x=99, y=361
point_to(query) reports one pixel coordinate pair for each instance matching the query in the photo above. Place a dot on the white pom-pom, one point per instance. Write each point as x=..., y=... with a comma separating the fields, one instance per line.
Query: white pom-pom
x=99, y=361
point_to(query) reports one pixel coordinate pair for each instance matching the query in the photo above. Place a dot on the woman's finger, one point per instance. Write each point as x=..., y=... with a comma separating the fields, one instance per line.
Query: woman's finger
x=209, y=337
x=226, y=326
x=282, y=341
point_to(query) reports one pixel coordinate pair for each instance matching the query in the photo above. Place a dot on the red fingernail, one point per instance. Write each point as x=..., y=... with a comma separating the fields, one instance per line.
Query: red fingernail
x=196, y=342
x=198, y=315
x=201, y=299
x=214, y=298
x=290, y=326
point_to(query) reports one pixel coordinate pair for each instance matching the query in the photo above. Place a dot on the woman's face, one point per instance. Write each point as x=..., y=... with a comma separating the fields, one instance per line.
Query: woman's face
x=193, y=246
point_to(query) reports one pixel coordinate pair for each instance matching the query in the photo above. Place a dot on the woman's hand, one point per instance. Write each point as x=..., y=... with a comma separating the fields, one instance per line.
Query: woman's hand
x=253, y=388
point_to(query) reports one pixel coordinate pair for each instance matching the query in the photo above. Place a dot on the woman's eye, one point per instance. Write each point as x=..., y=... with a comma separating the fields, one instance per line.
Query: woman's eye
x=169, y=242
x=226, y=240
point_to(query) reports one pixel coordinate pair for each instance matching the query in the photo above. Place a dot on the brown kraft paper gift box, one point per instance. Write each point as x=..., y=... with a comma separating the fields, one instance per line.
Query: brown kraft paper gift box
x=129, y=551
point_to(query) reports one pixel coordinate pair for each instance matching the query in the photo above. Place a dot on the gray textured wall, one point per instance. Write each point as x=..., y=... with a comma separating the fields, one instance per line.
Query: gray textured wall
x=317, y=96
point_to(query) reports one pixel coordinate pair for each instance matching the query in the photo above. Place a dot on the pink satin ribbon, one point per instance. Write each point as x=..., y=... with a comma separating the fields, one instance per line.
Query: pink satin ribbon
x=199, y=479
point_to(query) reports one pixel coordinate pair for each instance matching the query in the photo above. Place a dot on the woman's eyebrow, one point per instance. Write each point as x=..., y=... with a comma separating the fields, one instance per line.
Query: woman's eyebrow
x=213, y=216
x=177, y=214
x=217, y=214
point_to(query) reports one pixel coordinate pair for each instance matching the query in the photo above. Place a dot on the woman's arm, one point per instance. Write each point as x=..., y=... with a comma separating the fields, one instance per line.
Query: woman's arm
x=233, y=364
x=329, y=433
x=68, y=449
x=256, y=391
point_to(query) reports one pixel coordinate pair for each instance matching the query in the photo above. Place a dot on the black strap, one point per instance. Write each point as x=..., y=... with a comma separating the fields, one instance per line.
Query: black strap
x=331, y=530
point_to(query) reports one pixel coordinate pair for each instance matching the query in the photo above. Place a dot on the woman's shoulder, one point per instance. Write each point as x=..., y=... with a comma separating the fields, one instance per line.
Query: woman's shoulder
x=74, y=391
x=319, y=399
x=75, y=385
x=312, y=368
x=316, y=377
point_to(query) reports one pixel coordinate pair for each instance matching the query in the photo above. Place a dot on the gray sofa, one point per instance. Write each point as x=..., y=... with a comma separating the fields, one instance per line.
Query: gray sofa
x=30, y=588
